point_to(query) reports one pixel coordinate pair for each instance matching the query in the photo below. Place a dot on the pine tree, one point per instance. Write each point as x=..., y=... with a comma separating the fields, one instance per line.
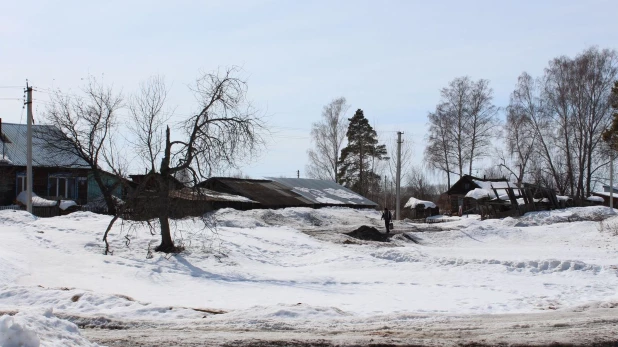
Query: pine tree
x=357, y=158
x=610, y=135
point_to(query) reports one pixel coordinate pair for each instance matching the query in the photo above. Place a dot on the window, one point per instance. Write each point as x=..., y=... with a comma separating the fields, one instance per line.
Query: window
x=21, y=183
x=62, y=186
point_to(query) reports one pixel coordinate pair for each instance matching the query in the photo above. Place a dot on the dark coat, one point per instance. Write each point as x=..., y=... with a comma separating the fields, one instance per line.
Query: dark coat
x=387, y=216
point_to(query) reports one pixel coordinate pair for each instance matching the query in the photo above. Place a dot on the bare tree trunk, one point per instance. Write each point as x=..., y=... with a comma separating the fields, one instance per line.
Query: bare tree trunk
x=167, y=244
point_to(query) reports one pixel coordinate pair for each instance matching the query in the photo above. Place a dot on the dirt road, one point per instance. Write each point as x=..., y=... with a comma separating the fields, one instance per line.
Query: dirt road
x=585, y=326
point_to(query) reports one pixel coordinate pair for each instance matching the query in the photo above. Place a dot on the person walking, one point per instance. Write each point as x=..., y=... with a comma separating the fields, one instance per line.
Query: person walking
x=388, y=217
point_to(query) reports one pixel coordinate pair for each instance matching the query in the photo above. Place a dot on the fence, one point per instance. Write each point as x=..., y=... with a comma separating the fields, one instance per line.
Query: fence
x=39, y=211
x=46, y=211
x=93, y=209
x=10, y=207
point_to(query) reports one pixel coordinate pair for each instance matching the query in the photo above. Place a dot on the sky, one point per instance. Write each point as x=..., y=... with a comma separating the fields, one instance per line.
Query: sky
x=388, y=58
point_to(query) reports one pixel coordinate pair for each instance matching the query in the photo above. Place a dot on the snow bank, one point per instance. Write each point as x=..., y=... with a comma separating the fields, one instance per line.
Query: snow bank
x=36, y=200
x=41, y=202
x=478, y=193
x=64, y=204
x=413, y=202
x=90, y=304
x=297, y=311
x=10, y=217
x=575, y=214
x=296, y=217
x=32, y=329
x=595, y=199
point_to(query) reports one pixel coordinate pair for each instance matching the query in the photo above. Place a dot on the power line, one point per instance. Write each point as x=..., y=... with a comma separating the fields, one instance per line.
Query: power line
x=21, y=116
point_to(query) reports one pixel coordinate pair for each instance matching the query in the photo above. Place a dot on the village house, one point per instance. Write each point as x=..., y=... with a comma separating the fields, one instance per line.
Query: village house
x=501, y=198
x=458, y=191
x=55, y=176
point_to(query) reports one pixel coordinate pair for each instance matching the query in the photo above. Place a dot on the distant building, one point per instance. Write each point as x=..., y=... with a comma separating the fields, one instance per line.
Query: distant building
x=605, y=195
x=457, y=192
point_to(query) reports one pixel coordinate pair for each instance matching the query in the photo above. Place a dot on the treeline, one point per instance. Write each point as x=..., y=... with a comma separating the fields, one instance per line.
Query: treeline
x=348, y=151
x=552, y=132
x=549, y=134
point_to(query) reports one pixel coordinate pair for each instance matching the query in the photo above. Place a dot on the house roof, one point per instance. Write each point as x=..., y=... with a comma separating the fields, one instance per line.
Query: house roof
x=266, y=192
x=323, y=192
x=13, y=146
x=203, y=194
x=467, y=183
x=606, y=194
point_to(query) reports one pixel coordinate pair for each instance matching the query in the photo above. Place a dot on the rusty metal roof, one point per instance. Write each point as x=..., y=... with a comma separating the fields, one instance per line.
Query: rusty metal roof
x=266, y=192
x=323, y=192
x=203, y=194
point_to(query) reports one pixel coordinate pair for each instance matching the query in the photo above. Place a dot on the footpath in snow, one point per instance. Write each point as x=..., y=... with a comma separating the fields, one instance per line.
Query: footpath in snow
x=295, y=270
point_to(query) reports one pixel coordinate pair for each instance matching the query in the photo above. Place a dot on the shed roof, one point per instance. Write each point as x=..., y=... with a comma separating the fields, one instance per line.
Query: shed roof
x=266, y=192
x=467, y=183
x=13, y=144
x=203, y=194
x=324, y=192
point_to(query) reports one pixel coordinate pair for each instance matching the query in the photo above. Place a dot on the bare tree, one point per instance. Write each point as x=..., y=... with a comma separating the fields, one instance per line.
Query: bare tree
x=521, y=133
x=482, y=121
x=328, y=137
x=148, y=120
x=419, y=186
x=462, y=127
x=83, y=126
x=528, y=108
x=407, y=153
x=493, y=171
x=439, y=149
x=577, y=92
x=224, y=131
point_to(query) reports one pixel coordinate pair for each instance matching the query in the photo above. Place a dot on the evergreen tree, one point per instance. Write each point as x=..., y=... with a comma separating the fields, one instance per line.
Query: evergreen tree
x=610, y=135
x=357, y=159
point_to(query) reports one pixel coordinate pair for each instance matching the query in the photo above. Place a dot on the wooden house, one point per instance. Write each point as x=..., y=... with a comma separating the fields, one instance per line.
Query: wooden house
x=55, y=176
x=457, y=193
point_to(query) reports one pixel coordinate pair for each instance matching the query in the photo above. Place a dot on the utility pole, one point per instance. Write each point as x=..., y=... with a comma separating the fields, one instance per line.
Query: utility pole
x=385, y=195
x=398, y=184
x=611, y=178
x=29, y=150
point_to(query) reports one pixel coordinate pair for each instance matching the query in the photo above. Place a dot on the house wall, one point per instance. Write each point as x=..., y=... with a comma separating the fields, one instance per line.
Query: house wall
x=606, y=199
x=40, y=182
x=7, y=185
x=468, y=204
x=94, y=192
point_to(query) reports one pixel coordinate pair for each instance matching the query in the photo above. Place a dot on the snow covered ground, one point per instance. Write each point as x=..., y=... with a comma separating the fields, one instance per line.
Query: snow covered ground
x=292, y=274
